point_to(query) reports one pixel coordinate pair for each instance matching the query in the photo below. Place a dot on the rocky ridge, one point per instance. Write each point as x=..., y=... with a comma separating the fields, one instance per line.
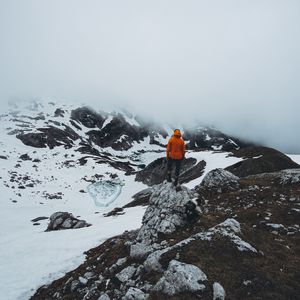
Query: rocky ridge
x=242, y=242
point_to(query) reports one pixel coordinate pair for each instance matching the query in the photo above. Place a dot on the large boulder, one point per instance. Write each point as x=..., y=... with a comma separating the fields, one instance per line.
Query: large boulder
x=219, y=180
x=88, y=117
x=156, y=171
x=64, y=220
x=179, y=278
x=260, y=160
x=168, y=210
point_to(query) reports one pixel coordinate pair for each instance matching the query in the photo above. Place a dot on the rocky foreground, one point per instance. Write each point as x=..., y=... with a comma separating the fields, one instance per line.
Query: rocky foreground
x=230, y=237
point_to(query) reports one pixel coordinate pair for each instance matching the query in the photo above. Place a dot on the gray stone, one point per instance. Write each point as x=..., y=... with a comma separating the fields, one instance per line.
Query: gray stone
x=135, y=294
x=218, y=292
x=220, y=180
x=126, y=273
x=179, y=278
x=104, y=297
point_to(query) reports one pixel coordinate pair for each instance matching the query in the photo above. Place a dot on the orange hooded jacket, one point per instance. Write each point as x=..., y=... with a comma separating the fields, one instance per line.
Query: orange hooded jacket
x=176, y=146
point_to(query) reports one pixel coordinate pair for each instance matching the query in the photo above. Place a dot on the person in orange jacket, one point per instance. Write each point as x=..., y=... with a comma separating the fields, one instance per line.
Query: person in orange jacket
x=175, y=154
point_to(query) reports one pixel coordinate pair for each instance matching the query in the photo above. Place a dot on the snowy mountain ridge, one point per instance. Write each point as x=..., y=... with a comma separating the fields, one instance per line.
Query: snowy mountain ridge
x=56, y=157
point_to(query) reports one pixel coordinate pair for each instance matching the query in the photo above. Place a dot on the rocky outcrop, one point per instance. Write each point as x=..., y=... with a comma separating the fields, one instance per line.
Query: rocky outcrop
x=233, y=248
x=210, y=138
x=117, y=134
x=180, y=278
x=64, y=220
x=140, y=198
x=260, y=160
x=50, y=136
x=155, y=172
x=219, y=180
x=87, y=117
x=166, y=212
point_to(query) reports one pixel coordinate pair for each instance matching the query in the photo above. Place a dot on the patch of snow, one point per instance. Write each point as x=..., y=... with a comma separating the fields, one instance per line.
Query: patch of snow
x=217, y=148
x=275, y=226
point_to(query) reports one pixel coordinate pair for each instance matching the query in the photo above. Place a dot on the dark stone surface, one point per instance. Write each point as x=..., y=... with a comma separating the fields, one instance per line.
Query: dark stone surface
x=260, y=160
x=155, y=172
x=65, y=220
x=87, y=117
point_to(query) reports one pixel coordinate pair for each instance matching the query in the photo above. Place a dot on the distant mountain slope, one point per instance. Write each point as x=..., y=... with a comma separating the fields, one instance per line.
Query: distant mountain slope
x=49, y=125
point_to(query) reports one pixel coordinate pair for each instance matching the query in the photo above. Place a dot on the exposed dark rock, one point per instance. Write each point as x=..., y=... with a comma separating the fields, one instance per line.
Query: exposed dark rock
x=115, y=212
x=59, y=112
x=25, y=157
x=3, y=157
x=65, y=220
x=87, y=117
x=39, y=219
x=117, y=134
x=260, y=160
x=193, y=173
x=210, y=138
x=37, y=140
x=155, y=172
x=140, y=198
x=49, y=136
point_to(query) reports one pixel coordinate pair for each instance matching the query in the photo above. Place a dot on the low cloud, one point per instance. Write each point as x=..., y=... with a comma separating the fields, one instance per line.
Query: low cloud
x=232, y=64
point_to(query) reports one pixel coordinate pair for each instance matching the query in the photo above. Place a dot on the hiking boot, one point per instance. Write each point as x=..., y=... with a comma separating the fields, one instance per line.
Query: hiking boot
x=176, y=181
x=169, y=179
x=178, y=188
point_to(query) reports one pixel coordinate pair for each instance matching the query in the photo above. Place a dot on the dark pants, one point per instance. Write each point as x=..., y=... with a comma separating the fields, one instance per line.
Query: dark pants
x=177, y=163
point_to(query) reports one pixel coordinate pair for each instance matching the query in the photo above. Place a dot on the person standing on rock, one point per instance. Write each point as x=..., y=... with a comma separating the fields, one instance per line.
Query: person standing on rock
x=175, y=154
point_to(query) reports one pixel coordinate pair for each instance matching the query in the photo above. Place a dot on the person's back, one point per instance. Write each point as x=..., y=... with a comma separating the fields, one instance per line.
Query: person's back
x=175, y=154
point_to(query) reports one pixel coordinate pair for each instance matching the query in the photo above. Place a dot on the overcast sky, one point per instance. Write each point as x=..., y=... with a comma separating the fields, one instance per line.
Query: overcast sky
x=234, y=64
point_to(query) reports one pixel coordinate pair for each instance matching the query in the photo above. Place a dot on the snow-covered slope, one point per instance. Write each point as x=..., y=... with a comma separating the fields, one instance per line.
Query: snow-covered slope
x=66, y=171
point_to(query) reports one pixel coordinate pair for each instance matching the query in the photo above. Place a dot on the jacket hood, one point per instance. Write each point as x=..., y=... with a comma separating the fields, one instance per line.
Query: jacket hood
x=177, y=133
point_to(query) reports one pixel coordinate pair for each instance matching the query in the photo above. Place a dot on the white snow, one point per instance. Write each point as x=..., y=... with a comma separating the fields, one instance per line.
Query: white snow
x=31, y=257
x=294, y=157
x=213, y=161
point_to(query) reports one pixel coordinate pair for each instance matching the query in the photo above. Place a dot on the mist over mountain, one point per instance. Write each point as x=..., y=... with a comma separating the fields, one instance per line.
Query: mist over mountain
x=230, y=64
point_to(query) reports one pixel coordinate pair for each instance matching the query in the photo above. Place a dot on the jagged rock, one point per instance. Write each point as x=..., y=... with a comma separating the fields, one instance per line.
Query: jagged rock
x=166, y=212
x=104, y=297
x=33, y=139
x=49, y=136
x=179, y=278
x=220, y=180
x=192, y=173
x=118, y=134
x=218, y=292
x=140, y=198
x=25, y=157
x=135, y=294
x=126, y=273
x=59, y=112
x=290, y=176
x=39, y=219
x=65, y=220
x=115, y=212
x=88, y=117
x=155, y=172
x=210, y=138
